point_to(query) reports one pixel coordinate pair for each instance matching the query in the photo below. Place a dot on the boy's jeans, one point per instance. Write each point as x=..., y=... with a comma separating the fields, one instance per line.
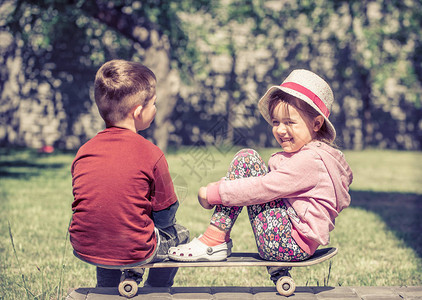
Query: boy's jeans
x=158, y=277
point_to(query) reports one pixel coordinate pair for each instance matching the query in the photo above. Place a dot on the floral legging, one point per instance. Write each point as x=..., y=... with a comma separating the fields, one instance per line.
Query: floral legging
x=270, y=221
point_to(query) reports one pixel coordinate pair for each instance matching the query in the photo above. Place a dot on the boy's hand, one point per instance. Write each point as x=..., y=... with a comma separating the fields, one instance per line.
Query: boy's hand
x=202, y=198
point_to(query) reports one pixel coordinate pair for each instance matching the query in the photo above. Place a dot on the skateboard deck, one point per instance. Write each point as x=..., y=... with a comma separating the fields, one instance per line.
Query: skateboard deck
x=245, y=259
x=285, y=285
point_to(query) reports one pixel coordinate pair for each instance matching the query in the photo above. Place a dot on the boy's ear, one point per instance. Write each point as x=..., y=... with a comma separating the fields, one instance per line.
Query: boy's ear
x=137, y=113
x=318, y=121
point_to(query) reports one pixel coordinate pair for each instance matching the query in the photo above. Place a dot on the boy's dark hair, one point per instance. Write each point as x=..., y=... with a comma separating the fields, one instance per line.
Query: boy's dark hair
x=116, y=82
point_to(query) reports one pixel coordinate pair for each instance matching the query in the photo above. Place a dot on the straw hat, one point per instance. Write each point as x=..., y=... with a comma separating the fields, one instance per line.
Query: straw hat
x=307, y=86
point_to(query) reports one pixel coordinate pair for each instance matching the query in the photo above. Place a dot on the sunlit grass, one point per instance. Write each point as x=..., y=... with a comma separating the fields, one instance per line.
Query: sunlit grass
x=387, y=171
x=374, y=248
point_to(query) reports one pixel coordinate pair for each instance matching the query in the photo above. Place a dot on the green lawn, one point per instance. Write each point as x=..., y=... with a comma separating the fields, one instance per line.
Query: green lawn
x=378, y=237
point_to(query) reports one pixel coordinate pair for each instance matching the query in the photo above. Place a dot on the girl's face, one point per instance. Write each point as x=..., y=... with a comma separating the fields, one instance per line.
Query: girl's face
x=290, y=129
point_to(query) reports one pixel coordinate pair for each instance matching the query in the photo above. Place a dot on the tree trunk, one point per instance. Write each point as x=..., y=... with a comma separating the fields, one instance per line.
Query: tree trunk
x=156, y=57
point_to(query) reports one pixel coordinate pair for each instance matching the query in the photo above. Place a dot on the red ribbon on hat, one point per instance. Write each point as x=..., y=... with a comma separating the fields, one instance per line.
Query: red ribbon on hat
x=308, y=93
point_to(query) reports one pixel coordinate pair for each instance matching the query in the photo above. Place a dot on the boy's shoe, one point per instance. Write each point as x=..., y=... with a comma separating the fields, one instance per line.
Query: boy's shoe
x=198, y=251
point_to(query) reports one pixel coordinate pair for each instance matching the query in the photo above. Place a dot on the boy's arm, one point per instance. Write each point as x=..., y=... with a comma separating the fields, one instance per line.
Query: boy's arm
x=164, y=220
x=162, y=189
x=164, y=199
x=166, y=217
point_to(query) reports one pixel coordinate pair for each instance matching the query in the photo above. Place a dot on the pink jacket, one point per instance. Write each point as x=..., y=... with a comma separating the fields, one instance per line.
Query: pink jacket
x=314, y=181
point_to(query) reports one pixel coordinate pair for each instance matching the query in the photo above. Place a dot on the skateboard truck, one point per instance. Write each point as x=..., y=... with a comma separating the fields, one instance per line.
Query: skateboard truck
x=129, y=281
x=283, y=281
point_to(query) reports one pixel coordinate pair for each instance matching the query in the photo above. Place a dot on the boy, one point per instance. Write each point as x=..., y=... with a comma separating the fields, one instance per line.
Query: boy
x=124, y=201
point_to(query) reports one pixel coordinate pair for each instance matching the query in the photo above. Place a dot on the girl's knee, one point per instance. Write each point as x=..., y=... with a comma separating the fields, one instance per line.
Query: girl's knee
x=247, y=152
x=246, y=163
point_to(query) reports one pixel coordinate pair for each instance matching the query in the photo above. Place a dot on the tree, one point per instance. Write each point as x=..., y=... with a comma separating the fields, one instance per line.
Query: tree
x=213, y=59
x=100, y=30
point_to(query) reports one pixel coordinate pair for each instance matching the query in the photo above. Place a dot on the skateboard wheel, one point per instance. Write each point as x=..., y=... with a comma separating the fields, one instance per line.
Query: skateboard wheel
x=128, y=288
x=285, y=286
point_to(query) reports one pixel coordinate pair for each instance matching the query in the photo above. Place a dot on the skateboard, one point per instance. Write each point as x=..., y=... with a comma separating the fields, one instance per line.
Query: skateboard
x=279, y=271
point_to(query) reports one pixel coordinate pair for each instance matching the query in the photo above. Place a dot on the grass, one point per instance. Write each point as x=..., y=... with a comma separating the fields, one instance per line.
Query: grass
x=378, y=236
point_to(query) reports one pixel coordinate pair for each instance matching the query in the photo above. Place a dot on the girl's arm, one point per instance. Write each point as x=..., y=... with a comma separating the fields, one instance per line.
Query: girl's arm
x=292, y=177
x=202, y=198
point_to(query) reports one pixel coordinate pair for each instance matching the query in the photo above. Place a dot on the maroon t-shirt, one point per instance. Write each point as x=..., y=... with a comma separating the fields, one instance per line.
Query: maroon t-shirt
x=118, y=179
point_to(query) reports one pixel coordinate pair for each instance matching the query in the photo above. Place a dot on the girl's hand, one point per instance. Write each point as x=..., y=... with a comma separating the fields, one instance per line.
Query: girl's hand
x=202, y=198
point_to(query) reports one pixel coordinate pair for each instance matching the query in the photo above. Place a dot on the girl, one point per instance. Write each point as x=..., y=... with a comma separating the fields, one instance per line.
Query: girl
x=293, y=204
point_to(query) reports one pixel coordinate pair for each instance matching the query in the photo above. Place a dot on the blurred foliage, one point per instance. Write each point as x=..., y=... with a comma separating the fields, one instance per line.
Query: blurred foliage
x=226, y=54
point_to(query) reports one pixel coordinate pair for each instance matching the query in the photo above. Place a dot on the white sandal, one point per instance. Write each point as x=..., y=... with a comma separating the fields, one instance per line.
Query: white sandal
x=198, y=251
